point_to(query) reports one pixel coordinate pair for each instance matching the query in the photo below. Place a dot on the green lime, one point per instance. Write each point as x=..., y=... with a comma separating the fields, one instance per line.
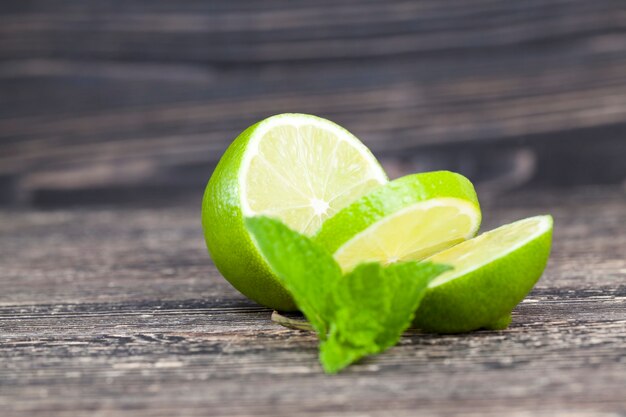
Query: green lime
x=298, y=168
x=410, y=218
x=492, y=274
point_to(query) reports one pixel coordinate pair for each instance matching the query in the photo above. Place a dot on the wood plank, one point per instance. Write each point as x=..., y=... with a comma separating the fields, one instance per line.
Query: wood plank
x=121, y=97
x=247, y=34
x=472, y=110
x=115, y=311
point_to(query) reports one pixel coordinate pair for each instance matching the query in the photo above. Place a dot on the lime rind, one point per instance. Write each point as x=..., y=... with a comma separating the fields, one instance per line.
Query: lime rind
x=500, y=324
x=238, y=257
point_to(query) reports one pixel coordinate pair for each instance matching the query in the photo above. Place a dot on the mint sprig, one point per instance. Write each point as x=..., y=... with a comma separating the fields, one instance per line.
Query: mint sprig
x=363, y=312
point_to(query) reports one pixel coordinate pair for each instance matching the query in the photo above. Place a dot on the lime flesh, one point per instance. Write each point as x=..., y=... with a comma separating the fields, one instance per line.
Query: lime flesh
x=492, y=274
x=298, y=168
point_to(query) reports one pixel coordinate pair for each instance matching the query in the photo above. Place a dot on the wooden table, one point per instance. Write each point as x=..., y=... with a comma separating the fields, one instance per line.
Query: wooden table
x=120, y=312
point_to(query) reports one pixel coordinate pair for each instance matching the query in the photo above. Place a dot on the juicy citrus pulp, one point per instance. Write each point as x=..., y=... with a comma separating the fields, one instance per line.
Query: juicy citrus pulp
x=492, y=274
x=302, y=169
x=298, y=168
x=407, y=219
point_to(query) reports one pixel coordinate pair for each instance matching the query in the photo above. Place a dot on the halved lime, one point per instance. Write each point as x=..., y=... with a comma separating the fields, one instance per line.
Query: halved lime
x=407, y=219
x=298, y=168
x=492, y=274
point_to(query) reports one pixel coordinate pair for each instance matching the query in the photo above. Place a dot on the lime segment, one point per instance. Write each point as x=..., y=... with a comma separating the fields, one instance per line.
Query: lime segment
x=489, y=246
x=492, y=274
x=407, y=219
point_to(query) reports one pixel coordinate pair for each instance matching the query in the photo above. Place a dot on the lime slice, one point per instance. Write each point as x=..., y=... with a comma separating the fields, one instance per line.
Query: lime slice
x=492, y=274
x=298, y=168
x=407, y=219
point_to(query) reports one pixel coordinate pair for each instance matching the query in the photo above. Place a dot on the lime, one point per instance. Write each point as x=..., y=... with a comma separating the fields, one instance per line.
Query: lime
x=298, y=168
x=407, y=219
x=492, y=274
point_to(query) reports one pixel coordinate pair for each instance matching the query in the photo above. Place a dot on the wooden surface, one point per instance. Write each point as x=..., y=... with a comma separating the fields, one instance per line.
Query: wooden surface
x=120, y=100
x=109, y=312
x=119, y=311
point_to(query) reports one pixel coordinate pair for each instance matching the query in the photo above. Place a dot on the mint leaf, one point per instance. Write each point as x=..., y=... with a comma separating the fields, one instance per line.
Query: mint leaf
x=361, y=313
x=374, y=305
x=406, y=284
x=306, y=270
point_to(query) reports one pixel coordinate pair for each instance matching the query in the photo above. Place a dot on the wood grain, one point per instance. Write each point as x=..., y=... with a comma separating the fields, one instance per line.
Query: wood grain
x=120, y=312
x=117, y=310
x=134, y=98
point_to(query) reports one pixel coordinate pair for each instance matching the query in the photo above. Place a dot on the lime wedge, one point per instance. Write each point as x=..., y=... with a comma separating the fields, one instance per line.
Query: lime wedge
x=298, y=168
x=492, y=274
x=410, y=218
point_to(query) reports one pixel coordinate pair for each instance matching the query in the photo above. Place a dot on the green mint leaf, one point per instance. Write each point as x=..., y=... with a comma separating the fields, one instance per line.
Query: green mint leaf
x=306, y=270
x=374, y=305
x=406, y=283
x=361, y=313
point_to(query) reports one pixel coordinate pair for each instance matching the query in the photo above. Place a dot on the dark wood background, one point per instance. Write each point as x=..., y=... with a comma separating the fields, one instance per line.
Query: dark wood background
x=113, y=114
x=127, y=101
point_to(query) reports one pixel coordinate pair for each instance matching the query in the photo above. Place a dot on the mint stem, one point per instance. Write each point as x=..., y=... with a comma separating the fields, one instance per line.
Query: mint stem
x=295, y=324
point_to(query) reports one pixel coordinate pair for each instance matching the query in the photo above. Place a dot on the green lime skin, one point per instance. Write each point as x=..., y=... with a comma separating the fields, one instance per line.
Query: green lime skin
x=484, y=297
x=390, y=198
x=230, y=246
